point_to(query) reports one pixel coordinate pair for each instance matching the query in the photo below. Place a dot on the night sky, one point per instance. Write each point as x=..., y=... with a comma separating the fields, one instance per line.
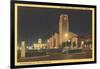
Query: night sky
x=34, y=23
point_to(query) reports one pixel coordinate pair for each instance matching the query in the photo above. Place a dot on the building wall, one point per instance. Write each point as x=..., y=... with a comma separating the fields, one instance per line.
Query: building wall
x=56, y=37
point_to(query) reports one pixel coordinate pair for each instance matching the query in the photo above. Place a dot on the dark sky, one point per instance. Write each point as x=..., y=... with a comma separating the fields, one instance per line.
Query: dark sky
x=34, y=23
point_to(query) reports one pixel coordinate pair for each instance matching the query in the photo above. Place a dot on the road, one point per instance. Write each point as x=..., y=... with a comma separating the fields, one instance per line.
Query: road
x=56, y=56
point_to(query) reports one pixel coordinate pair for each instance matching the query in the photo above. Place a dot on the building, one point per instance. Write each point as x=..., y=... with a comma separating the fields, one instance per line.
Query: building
x=39, y=45
x=85, y=41
x=53, y=42
x=56, y=40
x=63, y=27
x=64, y=35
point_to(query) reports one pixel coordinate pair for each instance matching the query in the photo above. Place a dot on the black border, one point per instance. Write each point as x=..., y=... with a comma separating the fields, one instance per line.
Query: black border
x=12, y=62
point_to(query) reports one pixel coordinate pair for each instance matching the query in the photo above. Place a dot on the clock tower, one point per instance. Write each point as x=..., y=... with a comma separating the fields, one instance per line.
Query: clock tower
x=63, y=27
